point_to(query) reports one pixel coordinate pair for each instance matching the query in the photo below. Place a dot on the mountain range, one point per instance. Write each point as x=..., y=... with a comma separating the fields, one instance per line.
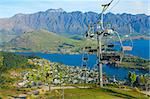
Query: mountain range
x=70, y=23
x=60, y=31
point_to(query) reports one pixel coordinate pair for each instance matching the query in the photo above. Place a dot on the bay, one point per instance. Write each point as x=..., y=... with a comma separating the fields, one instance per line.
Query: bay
x=140, y=48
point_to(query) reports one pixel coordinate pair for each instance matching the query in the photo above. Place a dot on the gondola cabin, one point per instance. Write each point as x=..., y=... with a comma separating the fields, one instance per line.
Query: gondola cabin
x=127, y=48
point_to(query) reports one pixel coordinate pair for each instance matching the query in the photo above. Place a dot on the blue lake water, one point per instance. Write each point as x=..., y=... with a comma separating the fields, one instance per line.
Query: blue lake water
x=141, y=48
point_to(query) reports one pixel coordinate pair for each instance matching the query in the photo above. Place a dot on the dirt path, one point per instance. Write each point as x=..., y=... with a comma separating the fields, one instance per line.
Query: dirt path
x=65, y=87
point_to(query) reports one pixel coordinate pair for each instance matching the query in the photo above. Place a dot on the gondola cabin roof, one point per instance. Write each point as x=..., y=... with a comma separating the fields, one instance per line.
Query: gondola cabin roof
x=127, y=48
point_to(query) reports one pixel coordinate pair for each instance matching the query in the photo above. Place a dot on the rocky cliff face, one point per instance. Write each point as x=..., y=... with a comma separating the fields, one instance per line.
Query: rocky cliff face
x=61, y=22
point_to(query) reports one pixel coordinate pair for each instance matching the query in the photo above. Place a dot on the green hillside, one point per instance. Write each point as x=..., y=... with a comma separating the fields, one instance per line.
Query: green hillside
x=11, y=64
x=45, y=41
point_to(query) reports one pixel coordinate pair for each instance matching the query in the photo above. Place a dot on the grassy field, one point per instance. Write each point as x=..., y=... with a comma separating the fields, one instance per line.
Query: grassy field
x=94, y=93
x=77, y=93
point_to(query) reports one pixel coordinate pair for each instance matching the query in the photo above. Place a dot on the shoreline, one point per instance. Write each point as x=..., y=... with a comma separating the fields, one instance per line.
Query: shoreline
x=122, y=65
x=129, y=65
x=139, y=37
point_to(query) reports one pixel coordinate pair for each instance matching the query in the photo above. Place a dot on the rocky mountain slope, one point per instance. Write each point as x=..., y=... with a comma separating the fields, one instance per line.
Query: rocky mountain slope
x=61, y=22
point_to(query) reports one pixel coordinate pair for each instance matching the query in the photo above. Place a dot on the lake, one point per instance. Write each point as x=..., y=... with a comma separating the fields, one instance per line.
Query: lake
x=141, y=48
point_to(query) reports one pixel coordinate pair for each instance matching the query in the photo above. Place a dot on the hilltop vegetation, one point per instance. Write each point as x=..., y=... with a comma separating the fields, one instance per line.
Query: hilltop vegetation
x=45, y=41
x=11, y=66
x=10, y=60
x=135, y=62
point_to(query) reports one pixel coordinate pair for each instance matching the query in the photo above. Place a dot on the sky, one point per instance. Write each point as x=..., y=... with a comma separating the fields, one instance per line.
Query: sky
x=9, y=8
